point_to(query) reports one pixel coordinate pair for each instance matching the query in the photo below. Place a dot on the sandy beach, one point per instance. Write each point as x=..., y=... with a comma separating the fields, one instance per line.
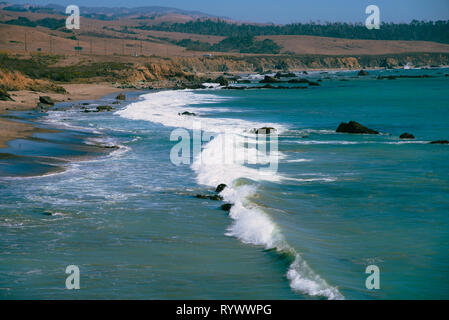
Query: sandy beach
x=27, y=100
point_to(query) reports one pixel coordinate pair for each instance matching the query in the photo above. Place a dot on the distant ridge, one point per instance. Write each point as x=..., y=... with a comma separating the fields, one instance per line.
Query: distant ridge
x=107, y=13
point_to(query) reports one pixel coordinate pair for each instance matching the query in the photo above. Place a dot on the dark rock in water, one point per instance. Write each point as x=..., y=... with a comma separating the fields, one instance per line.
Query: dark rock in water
x=121, y=96
x=305, y=72
x=440, y=142
x=235, y=87
x=220, y=187
x=354, y=127
x=104, y=108
x=407, y=136
x=186, y=113
x=312, y=83
x=85, y=104
x=226, y=207
x=300, y=80
x=446, y=74
x=47, y=100
x=279, y=75
x=4, y=96
x=404, y=76
x=363, y=73
x=47, y=213
x=191, y=85
x=222, y=81
x=116, y=102
x=214, y=197
x=269, y=79
x=43, y=106
x=264, y=130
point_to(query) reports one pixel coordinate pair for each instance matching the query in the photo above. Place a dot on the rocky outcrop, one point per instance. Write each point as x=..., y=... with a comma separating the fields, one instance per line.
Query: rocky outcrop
x=121, y=96
x=284, y=75
x=15, y=80
x=269, y=79
x=214, y=197
x=354, y=127
x=220, y=188
x=104, y=108
x=226, y=207
x=4, y=96
x=407, y=135
x=187, y=113
x=46, y=100
x=363, y=73
x=222, y=81
x=440, y=142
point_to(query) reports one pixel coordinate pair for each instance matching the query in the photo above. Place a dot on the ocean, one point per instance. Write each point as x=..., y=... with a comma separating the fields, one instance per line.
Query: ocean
x=331, y=204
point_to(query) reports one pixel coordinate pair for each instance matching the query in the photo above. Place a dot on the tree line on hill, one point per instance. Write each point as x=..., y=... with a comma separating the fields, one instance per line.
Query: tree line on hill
x=245, y=44
x=437, y=31
x=50, y=23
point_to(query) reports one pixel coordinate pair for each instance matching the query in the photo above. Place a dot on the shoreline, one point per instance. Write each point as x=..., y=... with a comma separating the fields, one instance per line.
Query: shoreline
x=26, y=100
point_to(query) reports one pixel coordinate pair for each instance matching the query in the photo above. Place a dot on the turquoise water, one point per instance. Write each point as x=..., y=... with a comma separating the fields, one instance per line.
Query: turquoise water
x=337, y=203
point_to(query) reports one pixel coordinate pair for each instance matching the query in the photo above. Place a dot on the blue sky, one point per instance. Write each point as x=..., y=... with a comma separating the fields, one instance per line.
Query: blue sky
x=287, y=11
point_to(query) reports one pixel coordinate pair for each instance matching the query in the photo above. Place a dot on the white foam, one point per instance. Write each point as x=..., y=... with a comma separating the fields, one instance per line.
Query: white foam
x=252, y=226
x=164, y=108
x=304, y=280
x=222, y=160
x=298, y=160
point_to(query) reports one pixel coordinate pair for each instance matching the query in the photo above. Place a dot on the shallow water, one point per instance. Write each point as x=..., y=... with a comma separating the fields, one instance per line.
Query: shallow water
x=337, y=203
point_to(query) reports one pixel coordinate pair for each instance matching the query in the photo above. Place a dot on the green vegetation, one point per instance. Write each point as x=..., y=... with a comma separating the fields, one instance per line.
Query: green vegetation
x=416, y=30
x=246, y=44
x=50, y=23
x=39, y=67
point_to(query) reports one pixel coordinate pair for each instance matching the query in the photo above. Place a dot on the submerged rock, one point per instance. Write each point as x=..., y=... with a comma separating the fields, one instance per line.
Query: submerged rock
x=186, y=113
x=121, y=96
x=363, y=73
x=47, y=100
x=269, y=79
x=279, y=75
x=440, y=142
x=43, y=106
x=214, y=197
x=407, y=136
x=354, y=127
x=220, y=188
x=298, y=80
x=226, y=207
x=104, y=108
x=312, y=83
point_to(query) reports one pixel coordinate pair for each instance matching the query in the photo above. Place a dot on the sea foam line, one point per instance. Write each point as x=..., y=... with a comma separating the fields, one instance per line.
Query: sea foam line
x=250, y=224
